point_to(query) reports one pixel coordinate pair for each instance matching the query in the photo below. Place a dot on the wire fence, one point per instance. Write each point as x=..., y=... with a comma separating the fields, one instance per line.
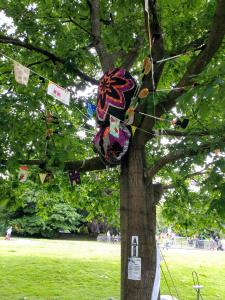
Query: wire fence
x=190, y=243
x=174, y=243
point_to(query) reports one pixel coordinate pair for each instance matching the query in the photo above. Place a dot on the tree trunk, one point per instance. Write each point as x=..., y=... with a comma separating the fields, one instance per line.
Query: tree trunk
x=138, y=218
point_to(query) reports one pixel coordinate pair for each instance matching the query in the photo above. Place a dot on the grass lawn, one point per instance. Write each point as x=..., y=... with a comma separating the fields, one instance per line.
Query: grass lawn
x=77, y=270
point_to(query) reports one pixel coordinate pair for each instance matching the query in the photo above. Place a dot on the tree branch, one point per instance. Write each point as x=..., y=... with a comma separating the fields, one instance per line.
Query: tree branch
x=9, y=40
x=196, y=45
x=168, y=132
x=104, y=57
x=197, y=66
x=202, y=172
x=78, y=25
x=132, y=55
x=92, y=164
x=176, y=155
x=157, y=192
x=164, y=161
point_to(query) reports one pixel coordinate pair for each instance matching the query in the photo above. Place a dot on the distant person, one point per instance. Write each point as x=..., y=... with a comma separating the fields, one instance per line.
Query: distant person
x=108, y=236
x=219, y=245
x=216, y=239
x=212, y=244
x=117, y=238
x=166, y=242
x=173, y=238
x=8, y=233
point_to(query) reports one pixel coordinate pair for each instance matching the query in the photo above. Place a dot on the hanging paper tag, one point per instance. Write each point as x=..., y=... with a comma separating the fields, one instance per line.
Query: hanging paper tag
x=129, y=116
x=91, y=108
x=133, y=128
x=42, y=177
x=23, y=173
x=114, y=126
x=21, y=73
x=147, y=65
x=143, y=93
x=58, y=93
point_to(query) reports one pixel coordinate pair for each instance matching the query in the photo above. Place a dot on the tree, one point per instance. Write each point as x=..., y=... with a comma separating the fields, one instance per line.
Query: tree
x=195, y=201
x=70, y=43
x=35, y=209
x=39, y=212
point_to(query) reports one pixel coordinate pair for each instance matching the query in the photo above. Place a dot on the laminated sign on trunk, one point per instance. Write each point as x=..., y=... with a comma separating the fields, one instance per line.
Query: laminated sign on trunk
x=134, y=268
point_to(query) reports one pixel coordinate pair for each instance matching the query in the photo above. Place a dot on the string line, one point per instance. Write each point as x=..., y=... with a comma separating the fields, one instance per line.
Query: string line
x=167, y=284
x=170, y=275
x=135, y=94
x=75, y=106
x=171, y=57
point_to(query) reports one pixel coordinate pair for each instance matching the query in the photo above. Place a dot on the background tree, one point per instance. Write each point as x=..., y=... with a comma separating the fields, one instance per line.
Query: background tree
x=44, y=210
x=72, y=43
x=195, y=202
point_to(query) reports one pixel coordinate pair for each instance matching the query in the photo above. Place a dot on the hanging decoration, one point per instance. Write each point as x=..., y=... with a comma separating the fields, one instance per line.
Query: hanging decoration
x=114, y=126
x=58, y=93
x=110, y=148
x=49, y=118
x=45, y=174
x=217, y=152
x=21, y=73
x=74, y=177
x=49, y=133
x=115, y=90
x=23, y=173
x=143, y=93
x=129, y=117
x=133, y=129
x=177, y=122
x=147, y=65
x=91, y=108
x=42, y=177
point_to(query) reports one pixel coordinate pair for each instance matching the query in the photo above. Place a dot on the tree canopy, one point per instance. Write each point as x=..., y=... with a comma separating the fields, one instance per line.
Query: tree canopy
x=61, y=41
x=72, y=44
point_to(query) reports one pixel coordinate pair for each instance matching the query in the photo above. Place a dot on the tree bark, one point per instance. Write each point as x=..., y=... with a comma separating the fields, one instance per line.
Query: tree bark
x=138, y=218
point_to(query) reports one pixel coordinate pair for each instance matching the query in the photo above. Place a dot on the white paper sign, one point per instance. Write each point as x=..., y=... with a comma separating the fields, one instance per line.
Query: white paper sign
x=58, y=93
x=23, y=174
x=134, y=268
x=134, y=246
x=22, y=73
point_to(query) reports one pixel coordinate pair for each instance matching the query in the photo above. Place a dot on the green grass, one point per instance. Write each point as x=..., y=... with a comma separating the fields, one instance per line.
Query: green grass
x=209, y=265
x=47, y=269
x=78, y=270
